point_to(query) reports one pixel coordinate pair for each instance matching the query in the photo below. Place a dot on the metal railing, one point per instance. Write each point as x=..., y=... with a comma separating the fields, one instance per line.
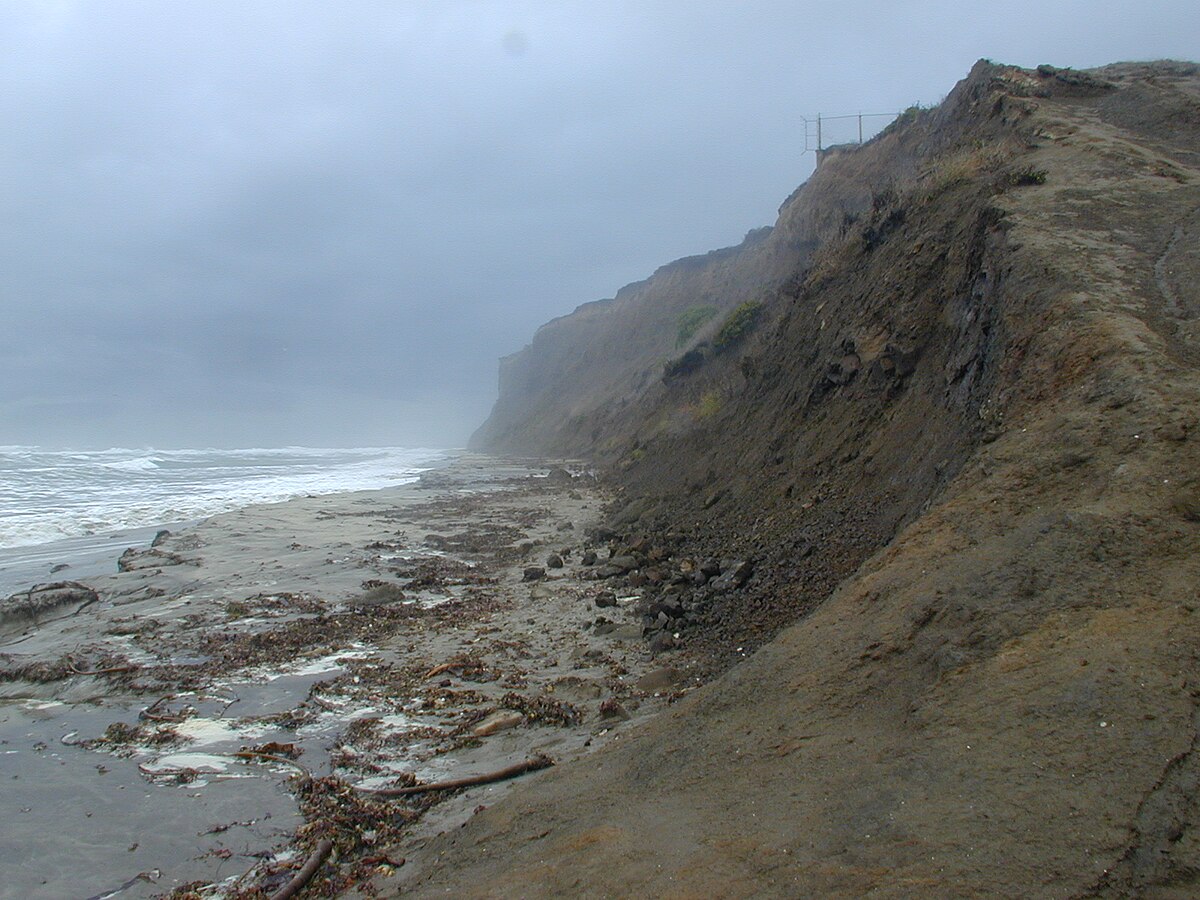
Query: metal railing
x=814, y=137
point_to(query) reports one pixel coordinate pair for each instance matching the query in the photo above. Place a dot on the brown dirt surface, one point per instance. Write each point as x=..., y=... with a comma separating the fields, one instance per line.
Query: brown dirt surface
x=961, y=451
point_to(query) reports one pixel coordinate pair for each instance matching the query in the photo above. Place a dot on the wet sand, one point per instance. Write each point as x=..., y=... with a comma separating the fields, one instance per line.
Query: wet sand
x=339, y=643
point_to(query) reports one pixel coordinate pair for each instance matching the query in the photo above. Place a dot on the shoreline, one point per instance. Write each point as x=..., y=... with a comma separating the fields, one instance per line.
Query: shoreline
x=371, y=638
x=96, y=554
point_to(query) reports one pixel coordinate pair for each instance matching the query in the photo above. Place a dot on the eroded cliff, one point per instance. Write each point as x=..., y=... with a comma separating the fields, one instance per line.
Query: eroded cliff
x=957, y=435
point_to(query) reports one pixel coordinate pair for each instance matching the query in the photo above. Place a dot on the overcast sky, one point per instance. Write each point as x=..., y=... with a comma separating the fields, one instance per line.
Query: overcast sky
x=249, y=224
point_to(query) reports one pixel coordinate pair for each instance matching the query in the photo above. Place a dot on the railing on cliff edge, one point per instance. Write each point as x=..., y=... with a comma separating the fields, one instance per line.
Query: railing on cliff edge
x=814, y=138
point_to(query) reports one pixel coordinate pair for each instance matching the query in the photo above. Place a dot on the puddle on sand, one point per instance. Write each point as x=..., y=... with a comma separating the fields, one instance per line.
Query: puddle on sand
x=86, y=823
x=80, y=823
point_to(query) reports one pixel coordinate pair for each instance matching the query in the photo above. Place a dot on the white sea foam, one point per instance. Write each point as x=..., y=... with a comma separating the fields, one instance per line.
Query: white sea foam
x=50, y=495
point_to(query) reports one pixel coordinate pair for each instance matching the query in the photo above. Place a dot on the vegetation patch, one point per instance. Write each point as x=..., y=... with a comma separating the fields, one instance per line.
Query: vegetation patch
x=737, y=325
x=709, y=405
x=692, y=320
x=1026, y=176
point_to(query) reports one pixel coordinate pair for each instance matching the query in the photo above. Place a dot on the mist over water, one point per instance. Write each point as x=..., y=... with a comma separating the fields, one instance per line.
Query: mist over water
x=51, y=495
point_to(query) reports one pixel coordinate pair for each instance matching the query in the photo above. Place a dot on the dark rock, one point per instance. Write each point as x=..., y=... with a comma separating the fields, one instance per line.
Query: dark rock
x=625, y=563
x=733, y=575
x=663, y=641
x=672, y=607
x=637, y=579
x=609, y=571
x=710, y=567
x=633, y=511
x=589, y=558
x=59, y=568
x=534, y=573
x=554, y=561
x=605, y=599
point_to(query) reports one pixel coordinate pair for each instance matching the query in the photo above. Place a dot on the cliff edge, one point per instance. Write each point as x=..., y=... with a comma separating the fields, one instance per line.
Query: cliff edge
x=948, y=407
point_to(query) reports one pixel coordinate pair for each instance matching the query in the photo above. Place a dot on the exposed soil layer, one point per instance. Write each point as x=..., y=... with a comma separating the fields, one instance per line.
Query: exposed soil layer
x=958, y=446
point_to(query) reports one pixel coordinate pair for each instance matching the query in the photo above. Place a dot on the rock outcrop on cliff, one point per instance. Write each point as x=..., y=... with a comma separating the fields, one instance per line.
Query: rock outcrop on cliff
x=949, y=407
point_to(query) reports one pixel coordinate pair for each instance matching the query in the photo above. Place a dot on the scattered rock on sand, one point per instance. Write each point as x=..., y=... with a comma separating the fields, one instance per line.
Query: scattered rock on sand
x=554, y=561
x=534, y=573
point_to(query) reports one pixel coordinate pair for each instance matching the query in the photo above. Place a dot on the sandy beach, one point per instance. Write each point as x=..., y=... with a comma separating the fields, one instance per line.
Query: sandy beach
x=201, y=720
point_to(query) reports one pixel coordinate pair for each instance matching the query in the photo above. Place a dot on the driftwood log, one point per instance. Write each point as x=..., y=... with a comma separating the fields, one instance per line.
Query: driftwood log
x=533, y=764
x=304, y=876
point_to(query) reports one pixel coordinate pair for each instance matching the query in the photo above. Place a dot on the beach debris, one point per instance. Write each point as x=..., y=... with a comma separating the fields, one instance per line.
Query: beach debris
x=152, y=714
x=36, y=605
x=307, y=871
x=133, y=559
x=104, y=670
x=275, y=758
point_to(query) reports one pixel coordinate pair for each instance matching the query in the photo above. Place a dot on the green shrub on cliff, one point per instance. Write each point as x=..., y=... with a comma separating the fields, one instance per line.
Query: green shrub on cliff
x=691, y=320
x=737, y=325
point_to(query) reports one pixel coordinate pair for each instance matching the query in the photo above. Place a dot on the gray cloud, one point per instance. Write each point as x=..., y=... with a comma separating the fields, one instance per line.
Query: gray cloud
x=233, y=223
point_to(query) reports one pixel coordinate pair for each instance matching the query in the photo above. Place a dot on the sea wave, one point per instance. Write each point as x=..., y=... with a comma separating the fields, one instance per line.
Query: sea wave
x=49, y=495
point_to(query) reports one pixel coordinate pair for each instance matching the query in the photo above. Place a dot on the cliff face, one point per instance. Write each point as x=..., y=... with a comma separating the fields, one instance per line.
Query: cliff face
x=958, y=438
x=564, y=393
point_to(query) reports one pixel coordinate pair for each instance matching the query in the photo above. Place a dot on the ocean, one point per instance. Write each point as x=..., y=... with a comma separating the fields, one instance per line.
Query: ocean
x=81, y=508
